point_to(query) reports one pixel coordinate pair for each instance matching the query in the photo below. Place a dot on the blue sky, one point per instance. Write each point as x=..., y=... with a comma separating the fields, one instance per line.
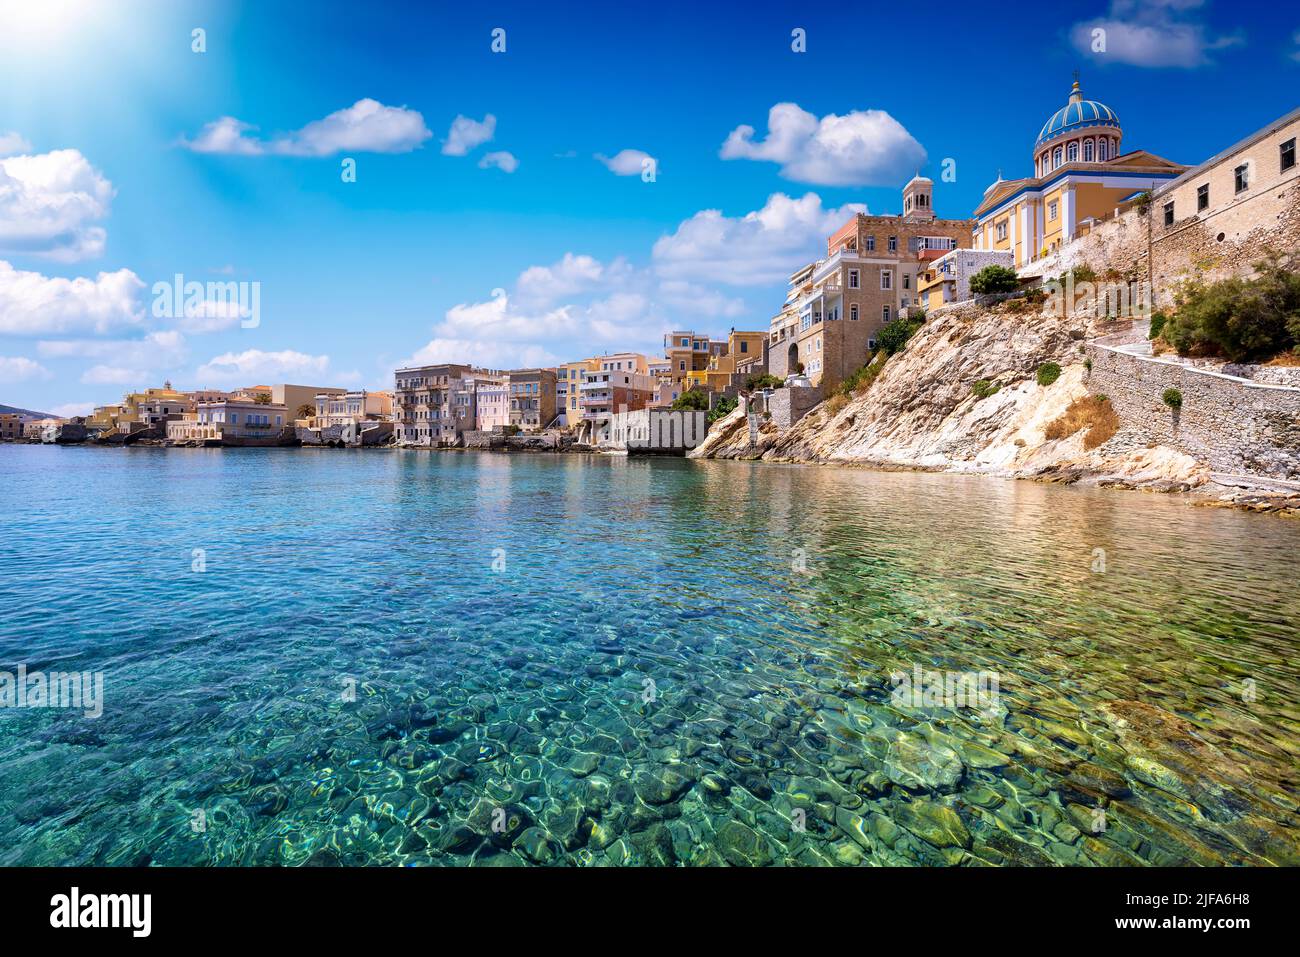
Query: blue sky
x=530, y=235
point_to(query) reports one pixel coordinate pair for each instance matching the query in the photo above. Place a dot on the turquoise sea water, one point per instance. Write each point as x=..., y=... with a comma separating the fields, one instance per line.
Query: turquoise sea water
x=596, y=660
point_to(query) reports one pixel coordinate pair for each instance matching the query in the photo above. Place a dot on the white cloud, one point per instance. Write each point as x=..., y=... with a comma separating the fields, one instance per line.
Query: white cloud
x=11, y=143
x=628, y=162
x=763, y=246
x=70, y=409
x=366, y=126
x=20, y=369
x=1151, y=33
x=572, y=275
x=502, y=160
x=164, y=349
x=49, y=204
x=253, y=367
x=862, y=148
x=33, y=304
x=486, y=355
x=466, y=134
x=212, y=315
x=113, y=375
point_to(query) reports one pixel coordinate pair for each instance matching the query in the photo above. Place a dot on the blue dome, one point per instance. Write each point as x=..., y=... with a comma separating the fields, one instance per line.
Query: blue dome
x=1077, y=114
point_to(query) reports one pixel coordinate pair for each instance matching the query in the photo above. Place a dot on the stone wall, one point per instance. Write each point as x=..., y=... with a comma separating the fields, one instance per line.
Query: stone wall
x=1234, y=425
x=787, y=406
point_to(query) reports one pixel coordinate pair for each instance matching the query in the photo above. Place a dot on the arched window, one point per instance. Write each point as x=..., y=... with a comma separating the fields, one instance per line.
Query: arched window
x=1101, y=151
x=1056, y=157
x=1087, y=151
x=1072, y=152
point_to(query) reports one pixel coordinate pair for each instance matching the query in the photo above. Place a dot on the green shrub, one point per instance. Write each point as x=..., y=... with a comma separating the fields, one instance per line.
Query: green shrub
x=1048, y=373
x=895, y=334
x=993, y=279
x=983, y=388
x=1240, y=319
x=692, y=399
x=725, y=406
x=1087, y=365
x=1172, y=398
x=862, y=377
x=764, y=381
x=1158, y=320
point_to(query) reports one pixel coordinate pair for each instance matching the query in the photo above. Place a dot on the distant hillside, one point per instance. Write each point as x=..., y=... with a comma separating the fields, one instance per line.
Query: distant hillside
x=8, y=409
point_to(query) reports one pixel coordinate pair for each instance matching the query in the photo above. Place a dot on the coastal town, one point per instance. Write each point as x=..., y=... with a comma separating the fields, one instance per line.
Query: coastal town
x=1089, y=206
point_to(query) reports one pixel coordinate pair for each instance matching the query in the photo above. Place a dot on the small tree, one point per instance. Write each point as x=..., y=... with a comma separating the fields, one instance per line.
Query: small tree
x=692, y=399
x=1048, y=373
x=994, y=279
x=305, y=411
x=895, y=334
x=1172, y=398
x=724, y=407
x=262, y=398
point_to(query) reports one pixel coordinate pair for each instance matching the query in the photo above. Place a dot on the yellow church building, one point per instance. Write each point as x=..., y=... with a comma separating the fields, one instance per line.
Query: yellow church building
x=1081, y=174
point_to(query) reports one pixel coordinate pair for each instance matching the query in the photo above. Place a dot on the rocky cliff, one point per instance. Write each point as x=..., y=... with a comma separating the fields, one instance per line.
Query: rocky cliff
x=920, y=411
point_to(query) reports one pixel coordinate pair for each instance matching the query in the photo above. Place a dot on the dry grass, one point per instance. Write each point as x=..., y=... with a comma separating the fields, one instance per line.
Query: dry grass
x=1288, y=358
x=836, y=402
x=1092, y=412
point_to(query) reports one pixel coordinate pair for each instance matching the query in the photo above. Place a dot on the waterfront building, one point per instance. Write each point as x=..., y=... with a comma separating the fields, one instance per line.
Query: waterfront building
x=422, y=403
x=836, y=306
x=140, y=410
x=607, y=391
x=568, y=378
x=947, y=279
x=232, y=419
x=492, y=404
x=351, y=408
x=1081, y=174
x=687, y=352
x=42, y=430
x=11, y=426
x=296, y=397
x=532, y=398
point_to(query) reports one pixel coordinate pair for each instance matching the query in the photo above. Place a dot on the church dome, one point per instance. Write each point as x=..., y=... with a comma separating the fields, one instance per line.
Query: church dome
x=1078, y=114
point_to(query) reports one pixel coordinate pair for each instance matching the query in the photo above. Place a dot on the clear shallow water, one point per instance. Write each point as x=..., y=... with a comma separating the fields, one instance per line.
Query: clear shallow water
x=500, y=717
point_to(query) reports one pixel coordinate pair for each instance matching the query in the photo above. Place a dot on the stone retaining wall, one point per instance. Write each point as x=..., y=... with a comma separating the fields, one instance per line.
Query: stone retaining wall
x=1234, y=425
x=792, y=403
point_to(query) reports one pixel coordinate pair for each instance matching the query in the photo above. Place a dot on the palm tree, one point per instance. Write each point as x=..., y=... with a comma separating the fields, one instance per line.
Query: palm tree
x=306, y=411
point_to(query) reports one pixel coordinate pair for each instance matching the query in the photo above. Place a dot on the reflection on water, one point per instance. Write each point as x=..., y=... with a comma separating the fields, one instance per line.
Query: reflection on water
x=447, y=659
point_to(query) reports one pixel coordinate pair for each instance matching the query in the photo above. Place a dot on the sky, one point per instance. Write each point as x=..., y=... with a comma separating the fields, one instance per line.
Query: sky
x=515, y=186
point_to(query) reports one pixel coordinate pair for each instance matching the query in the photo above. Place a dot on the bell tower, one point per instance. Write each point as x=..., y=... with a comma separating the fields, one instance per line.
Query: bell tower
x=918, y=199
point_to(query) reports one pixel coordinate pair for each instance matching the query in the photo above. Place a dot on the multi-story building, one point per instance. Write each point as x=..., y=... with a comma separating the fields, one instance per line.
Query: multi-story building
x=11, y=426
x=688, y=352
x=837, y=305
x=351, y=408
x=298, y=399
x=422, y=403
x=947, y=279
x=140, y=410
x=492, y=404
x=1080, y=176
x=608, y=391
x=568, y=378
x=532, y=398
x=231, y=419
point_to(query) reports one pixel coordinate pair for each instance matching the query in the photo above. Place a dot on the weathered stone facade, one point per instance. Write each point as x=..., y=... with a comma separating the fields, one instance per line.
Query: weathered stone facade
x=1235, y=425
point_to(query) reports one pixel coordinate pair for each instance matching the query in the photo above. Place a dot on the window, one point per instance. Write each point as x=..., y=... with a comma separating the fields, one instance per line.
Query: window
x=893, y=244
x=1287, y=152
x=1056, y=157
x=886, y=279
x=1101, y=151
x=853, y=312
x=871, y=244
x=1072, y=152
x=1169, y=214
x=1087, y=151
x=744, y=346
x=1001, y=230
x=1051, y=210
x=907, y=280
x=686, y=343
x=885, y=313
x=1203, y=197
x=853, y=279
x=1242, y=176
